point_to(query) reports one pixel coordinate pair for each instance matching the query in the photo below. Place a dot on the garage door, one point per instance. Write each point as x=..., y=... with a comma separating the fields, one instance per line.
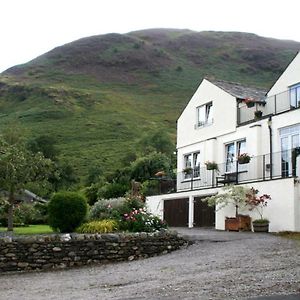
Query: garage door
x=176, y=212
x=204, y=215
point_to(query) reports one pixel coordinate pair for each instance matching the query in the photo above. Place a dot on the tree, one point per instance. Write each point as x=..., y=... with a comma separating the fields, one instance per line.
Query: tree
x=18, y=166
x=156, y=141
x=44, y=144
x=146, y=167
x=231, y=195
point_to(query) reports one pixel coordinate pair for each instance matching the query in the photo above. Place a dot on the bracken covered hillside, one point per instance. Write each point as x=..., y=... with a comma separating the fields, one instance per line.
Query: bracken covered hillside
x=99, y=94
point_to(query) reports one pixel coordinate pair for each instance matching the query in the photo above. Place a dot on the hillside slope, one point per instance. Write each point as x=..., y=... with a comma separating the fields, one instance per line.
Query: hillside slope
x=99, y=94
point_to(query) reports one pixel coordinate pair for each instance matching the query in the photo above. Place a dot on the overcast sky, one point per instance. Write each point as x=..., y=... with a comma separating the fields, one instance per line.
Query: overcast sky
x=32, y=27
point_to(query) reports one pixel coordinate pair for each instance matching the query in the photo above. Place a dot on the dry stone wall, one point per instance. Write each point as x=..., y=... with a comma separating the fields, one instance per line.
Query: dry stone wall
x=55, y=251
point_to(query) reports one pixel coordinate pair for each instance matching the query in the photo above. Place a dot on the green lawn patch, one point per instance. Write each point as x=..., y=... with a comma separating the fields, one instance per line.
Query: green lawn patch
x=31, y=229
x=290, y=235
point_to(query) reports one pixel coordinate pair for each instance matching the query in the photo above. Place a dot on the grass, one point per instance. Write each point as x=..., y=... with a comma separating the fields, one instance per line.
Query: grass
x=290, y=235
x=31, y=229
x=98, y=115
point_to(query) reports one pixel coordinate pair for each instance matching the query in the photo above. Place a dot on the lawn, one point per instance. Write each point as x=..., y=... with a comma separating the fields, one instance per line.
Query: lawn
x=31, y=229
x=290, y=235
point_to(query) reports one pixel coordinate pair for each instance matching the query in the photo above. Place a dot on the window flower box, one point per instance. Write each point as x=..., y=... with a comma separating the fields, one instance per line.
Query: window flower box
x=211, y=165
x=244, y=159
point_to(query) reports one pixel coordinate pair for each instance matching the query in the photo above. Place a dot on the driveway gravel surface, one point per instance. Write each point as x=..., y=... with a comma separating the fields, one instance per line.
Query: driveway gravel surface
x=219, y=265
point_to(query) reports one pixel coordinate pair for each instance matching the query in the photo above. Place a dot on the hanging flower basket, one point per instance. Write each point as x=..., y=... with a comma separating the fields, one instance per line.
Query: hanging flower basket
x=244, y=159
x=211, y=165
x=187, y=171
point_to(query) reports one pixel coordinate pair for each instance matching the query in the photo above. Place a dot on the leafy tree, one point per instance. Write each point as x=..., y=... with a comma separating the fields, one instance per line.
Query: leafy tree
x=146, y=167
x=44, y=144
x=63, y=176
x=156, y=141
x=94, y=173
x=18, y=166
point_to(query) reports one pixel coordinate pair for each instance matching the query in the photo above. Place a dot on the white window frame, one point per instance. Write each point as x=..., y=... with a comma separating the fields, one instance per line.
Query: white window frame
x=204, y=115
x=193, y=162
x=295, y=95
x=230, y=162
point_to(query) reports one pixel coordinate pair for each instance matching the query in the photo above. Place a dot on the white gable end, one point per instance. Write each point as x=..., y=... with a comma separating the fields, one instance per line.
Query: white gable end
x=289, y=77
x=223, y=115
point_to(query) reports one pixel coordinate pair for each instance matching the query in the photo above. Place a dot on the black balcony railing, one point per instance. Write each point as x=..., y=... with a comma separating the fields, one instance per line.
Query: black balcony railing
x=264, y=167
x=273, y=105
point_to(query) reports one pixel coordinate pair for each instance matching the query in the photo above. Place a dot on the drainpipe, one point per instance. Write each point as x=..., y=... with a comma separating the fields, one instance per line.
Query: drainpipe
x=271, y=146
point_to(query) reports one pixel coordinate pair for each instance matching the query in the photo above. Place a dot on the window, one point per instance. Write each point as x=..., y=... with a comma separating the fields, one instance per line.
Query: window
x=192, y=165
x=290, y=141
x=204, y=115
x=232, y=151
x=295, y=96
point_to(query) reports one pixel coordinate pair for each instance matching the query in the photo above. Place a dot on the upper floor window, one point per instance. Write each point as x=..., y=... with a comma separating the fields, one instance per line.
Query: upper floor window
x=295, y=95
x=204, y=115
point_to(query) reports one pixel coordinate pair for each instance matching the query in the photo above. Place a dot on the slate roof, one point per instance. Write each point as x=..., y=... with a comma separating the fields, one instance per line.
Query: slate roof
x=240, y=91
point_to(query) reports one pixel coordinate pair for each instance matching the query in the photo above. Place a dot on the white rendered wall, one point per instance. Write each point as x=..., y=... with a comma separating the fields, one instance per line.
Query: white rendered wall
x=224, y=115
x=282, y=209
x=289, y=77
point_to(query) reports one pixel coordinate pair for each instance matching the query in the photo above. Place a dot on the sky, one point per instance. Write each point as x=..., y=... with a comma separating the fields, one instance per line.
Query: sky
x=30, y=28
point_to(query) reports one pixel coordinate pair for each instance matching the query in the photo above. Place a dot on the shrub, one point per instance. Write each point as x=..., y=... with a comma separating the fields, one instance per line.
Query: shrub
x=139, y=220
x=24, y=214
x=106, y=209
x=112, y=190
x=131, y=203
x=103, y=226
x=66, y=211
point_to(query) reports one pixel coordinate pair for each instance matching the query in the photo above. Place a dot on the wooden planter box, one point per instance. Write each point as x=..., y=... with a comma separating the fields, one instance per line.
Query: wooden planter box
x=241, y=223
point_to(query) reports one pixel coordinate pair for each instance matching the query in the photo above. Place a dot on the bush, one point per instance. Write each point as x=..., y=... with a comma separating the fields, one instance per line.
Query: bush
x=103, y=226
x=106, y=209
x=66, y=211
x=24, y=214
x=131, y=203
x=139, y=220
x=112, y=190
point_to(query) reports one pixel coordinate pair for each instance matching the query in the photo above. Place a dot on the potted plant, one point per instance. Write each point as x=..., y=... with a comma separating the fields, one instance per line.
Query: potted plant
x=187, y=170
x=211, y=165
x=244, y=158
x=235, y=196
x=258, y=203
x=258, y=114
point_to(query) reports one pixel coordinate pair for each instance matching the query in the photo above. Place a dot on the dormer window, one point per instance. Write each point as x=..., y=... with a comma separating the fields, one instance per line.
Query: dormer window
x=204, y=115
x=295, y=95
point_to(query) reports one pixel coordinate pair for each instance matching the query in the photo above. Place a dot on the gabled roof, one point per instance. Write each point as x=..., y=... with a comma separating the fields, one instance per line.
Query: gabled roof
x=240, y=91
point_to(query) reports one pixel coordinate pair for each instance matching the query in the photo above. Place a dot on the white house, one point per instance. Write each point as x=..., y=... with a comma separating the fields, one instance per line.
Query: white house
x=222, y=121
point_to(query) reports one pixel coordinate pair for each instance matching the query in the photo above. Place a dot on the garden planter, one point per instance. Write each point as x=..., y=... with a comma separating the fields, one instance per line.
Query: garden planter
x=260, y=227
x=241, y=223
x=244, y=160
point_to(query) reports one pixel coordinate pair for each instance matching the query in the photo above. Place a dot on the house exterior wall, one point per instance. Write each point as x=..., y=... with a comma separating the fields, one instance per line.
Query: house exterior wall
x=289, y=77
x=224, y=120
x=282, y=210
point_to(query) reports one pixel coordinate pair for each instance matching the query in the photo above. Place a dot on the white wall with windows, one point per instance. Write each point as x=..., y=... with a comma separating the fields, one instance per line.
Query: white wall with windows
x=210, y=112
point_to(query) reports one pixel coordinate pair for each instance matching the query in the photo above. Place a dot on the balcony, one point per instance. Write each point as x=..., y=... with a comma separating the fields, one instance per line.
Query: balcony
x=260, y=168
x=271, y=106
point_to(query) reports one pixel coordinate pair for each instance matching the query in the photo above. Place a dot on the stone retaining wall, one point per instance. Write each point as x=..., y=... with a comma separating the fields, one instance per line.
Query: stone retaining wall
x=66, y=250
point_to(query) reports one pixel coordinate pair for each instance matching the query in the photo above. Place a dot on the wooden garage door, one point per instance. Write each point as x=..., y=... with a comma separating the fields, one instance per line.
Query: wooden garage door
x=204, y=215
x=176, y=212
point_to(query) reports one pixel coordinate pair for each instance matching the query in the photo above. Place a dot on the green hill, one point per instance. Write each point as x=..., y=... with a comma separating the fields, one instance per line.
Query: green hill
x=99, y=94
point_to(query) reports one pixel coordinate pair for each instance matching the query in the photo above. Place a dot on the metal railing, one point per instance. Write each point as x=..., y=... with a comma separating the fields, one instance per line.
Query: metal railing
x=264, y=167
x=273, y=105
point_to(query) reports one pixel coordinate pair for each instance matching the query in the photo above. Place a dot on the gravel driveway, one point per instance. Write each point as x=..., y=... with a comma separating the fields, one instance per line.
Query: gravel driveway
x=219, y=265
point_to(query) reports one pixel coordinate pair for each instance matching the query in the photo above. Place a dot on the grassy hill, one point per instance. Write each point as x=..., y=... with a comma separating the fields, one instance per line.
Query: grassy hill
x=99, y=94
